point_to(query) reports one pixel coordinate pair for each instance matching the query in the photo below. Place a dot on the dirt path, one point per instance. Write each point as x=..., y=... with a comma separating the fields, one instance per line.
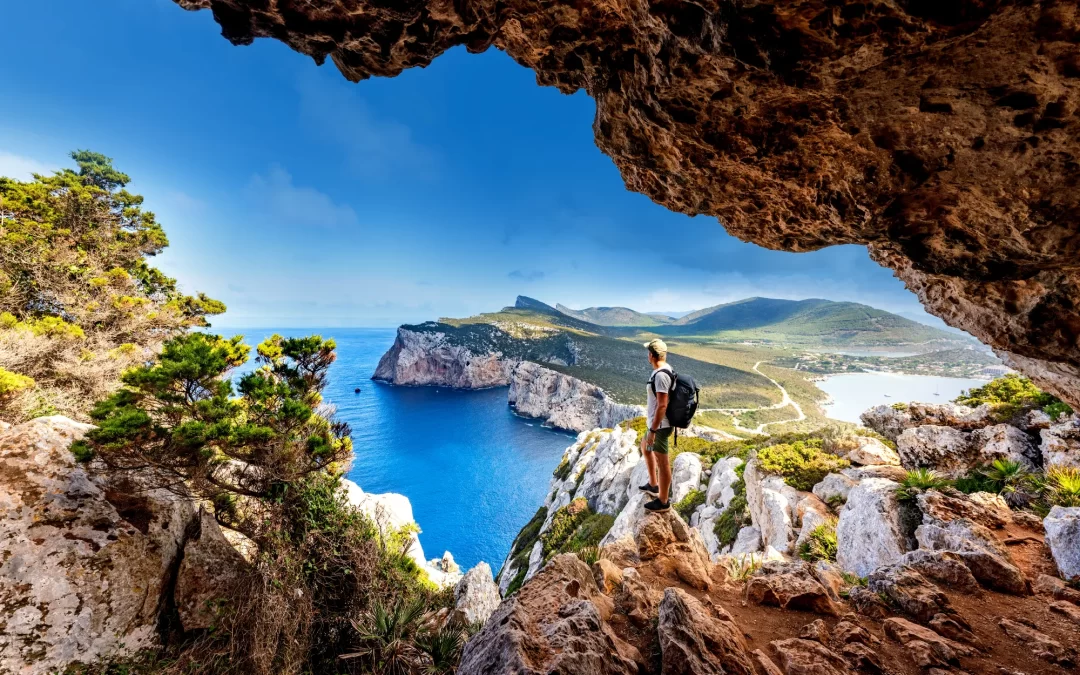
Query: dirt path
x=785, y=401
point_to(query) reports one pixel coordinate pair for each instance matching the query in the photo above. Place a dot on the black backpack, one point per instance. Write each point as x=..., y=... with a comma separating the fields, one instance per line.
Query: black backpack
x=682, y=399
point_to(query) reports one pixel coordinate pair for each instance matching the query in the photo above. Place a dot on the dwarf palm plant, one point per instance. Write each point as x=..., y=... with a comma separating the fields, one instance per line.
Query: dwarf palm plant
x=919, y=480
x=1010, y=480
x=386, y=638
x=1063, y=486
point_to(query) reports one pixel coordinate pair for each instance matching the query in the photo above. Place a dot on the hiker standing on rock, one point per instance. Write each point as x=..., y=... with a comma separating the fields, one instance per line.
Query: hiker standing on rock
x=654, y=446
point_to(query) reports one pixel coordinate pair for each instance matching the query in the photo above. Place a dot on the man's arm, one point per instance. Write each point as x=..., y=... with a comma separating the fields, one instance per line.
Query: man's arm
x=661, y=410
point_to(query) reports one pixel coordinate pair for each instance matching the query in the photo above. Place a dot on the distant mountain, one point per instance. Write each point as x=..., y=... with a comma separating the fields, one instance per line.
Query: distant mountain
x=812, y=321
x=614, y=316
x=525, y=302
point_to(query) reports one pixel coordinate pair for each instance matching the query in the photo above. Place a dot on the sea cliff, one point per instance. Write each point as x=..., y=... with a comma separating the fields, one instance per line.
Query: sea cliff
x=430, y=358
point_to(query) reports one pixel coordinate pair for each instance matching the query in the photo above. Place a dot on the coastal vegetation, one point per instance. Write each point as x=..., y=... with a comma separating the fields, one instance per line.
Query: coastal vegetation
x=79, y=301
x=802, y=463
x=267, y=456
x=1012, y=395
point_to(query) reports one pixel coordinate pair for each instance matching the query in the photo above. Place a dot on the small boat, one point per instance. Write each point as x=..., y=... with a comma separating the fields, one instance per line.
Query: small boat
x=888, y=395
x=357, y=390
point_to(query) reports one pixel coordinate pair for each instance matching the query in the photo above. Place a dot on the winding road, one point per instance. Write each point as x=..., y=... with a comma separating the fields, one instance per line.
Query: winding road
x=785, y=401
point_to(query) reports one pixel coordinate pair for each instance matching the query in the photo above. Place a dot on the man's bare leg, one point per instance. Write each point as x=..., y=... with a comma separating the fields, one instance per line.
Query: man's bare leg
x=650, y=464
x=663, y=470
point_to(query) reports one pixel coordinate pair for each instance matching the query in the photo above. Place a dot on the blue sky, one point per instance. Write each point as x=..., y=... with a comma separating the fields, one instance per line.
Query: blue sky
x=301, y=199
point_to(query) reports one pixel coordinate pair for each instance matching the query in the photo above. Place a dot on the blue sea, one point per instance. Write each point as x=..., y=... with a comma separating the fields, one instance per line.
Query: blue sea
x=474, y=472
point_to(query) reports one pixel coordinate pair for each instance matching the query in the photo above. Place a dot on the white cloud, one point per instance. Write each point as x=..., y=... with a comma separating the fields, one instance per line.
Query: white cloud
x=303, y=206
x=372, y=144
x=20, y=167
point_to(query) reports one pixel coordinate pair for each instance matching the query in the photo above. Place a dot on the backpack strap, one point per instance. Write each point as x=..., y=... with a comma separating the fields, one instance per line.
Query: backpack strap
x=671, y=372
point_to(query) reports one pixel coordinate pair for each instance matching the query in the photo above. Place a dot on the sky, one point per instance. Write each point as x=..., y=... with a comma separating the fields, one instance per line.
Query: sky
x=301, y=199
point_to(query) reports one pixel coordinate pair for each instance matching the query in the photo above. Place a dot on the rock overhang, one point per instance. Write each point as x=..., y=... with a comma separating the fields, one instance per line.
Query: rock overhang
x=943, y=136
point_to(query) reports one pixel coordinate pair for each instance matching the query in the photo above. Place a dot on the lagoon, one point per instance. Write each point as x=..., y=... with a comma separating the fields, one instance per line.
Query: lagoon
x=852, y=393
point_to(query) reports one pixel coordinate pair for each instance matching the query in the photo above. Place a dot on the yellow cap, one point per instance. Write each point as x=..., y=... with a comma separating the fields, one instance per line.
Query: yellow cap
x=657, y=345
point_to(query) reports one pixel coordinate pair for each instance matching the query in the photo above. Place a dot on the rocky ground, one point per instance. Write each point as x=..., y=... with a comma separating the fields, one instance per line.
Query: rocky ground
x=937, y=580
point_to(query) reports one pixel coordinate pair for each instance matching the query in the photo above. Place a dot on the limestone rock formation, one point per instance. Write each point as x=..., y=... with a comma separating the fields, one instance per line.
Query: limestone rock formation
x=870, y=533
x=210, y=569
x=1004, y=441
x=1061, y=443
x=720, y=491
x=891, y=422
x=427, y=358
x=391, y=512
x=695, y=642
x=940, y=135
x=476, y=596
x=685, y=475
x=555, y=624
x=771, y=503
x=564, y=401
x=834, y=486
x=872, y=452
x=947, y=450
x=1063, y=537
x=85, y=564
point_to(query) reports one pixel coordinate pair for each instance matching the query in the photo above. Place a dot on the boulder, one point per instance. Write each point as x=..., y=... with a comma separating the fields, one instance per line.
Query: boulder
x=695, y=641
x=891, y=423
x=1061, y=443
x=808, y=657
x=834, y=487
x=770, y=502
x=1004, y=441
x=636, y=599
x=872, y=452
x=608, y=576
x=633, y=511
x=557, y=623
x=870, y=533
x=606, y=481
x=706, y=523
x=984, y=508
x=1066, y=609
x=87, y=562
x=910, y=591
x=720, y=491
x=211, y=570
x=685, y=475
x=811, y=512
x=747, y=541
x=1035, y=420
x=665, y=538
x=1055, y=588
x=1041, y=645
x=927, y=648
x=944, y=567
x=764, y=664
x=793, y=586
x=1063, y=537
x=946, y=450
x=815, y=630
x=476, y=596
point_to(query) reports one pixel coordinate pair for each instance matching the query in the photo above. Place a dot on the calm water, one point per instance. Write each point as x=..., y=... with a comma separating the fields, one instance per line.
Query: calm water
x=852, y=393
x=474, y=472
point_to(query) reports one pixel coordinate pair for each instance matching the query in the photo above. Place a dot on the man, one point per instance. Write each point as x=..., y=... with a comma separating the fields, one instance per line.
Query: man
x=654, y=446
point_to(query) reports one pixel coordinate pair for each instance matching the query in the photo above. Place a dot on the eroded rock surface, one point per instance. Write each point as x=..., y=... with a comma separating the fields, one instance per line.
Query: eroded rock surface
x=85, y=564
x=940, y=135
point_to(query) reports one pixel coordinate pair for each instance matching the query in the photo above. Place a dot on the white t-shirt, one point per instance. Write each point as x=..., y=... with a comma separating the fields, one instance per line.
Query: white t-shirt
x=662, y=382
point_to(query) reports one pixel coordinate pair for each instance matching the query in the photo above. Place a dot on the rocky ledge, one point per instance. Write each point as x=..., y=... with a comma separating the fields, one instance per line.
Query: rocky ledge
x=92, y=567
x=430, y=358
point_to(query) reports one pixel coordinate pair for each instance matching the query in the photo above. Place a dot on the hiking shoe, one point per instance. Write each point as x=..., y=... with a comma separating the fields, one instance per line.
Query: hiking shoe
x=651, y=489
x=657, y=506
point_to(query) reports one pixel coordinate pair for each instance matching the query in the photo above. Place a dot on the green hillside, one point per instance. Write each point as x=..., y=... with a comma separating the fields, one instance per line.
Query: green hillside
x=613, y=316
x=806, y=322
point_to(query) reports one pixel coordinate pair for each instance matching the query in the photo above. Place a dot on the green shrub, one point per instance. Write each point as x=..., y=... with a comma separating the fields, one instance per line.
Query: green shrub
x=1063, y=486
x=1011, y=395
x=802, y=464
x=919, y=480
x=688, y=504
x=562, y=472
x=821, y=544
x=899, y=406
x=1057, y=409
x=563, y=524
x=589, y=533
x=735, y=517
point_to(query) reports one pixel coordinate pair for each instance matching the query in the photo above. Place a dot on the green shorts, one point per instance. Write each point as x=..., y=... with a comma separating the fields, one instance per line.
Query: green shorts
x=662, y=440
